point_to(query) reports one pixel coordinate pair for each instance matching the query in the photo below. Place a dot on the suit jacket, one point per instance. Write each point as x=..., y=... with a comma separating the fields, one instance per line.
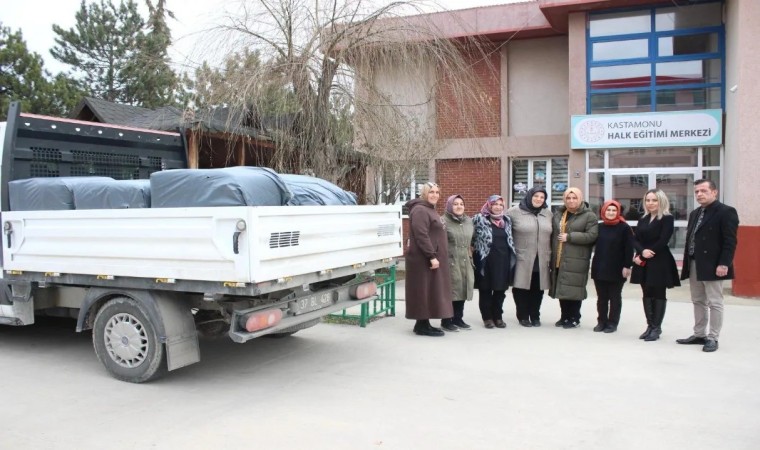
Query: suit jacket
x=714, y=242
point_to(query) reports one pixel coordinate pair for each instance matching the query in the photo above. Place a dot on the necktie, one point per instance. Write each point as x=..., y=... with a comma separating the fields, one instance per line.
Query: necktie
x=696, y=227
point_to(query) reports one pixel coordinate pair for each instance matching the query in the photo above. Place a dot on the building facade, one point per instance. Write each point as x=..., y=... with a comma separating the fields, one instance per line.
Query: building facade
x=614, y=97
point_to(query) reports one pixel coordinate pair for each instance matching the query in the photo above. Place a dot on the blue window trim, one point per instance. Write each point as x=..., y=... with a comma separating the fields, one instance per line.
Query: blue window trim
x=654, y=57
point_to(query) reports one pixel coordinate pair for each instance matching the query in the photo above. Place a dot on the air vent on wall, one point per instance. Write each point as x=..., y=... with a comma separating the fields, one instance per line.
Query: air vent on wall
x=284, y=239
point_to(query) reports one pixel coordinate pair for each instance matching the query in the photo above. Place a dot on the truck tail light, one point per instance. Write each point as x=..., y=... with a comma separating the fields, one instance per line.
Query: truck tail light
x=256, y=321
x=363, y=290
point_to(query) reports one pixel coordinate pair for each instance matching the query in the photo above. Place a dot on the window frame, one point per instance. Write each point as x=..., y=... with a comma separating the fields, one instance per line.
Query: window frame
x=654, y=58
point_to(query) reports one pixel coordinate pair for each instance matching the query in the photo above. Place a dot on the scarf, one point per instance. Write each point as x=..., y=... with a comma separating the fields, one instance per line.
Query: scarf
x=562, y=228
x=482, y=240
x=617, y=219
x=487, y=212
x=526, y=204
x=450, y=207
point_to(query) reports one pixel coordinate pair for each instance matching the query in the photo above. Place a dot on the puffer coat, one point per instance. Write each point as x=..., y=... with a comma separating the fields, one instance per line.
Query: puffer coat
x=459, y=233
x=582, y=228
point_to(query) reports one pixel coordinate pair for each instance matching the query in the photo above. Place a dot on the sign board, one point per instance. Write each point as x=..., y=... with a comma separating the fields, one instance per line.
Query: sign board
x=666, y=129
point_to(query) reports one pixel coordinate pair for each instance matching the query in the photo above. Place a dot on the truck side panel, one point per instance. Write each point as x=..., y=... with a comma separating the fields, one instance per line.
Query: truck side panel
x=200, y=243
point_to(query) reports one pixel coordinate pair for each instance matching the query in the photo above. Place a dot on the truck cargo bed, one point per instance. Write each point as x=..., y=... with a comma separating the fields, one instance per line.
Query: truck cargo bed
x=226, y=244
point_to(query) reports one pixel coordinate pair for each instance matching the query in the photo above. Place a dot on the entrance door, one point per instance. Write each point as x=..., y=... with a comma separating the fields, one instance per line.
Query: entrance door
x=628, y=186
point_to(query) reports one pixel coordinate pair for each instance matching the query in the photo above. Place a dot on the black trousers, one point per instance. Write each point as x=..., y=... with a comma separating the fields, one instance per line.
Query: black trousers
x=571, y=309
x=654, y=292
x=609, y=300
x=491, y=303
x=528, y=301
x=458, y=312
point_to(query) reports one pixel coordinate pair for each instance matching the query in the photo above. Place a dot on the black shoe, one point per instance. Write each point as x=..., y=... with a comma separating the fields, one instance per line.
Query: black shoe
x=572, y=324
x=429, y=332
x=653, y=335
x=646, y=332
x=535, y=323
x=610, y=328
x=450, y=327
x=461, y=325
x=488, y=324
x=500, y=324
x=526, y=323
x=600, y=327
x=560, y=323
x=711, y=345
x=692, y=340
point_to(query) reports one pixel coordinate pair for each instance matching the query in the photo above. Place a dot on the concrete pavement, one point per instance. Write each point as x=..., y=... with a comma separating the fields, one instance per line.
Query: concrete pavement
x=345, y=387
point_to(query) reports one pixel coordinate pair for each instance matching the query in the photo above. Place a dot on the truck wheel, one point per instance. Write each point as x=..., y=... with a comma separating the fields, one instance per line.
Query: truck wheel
x=126, y=342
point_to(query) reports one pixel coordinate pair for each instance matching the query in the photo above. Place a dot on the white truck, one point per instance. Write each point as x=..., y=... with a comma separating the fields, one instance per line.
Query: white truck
x=147, y=281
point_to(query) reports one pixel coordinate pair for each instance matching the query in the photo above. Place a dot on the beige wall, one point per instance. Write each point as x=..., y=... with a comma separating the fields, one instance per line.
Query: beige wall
x=576, y=51
x=538, y=87
x=742, y=142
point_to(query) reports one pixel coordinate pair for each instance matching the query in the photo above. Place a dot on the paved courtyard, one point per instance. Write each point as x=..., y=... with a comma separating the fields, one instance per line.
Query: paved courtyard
x=345, y=387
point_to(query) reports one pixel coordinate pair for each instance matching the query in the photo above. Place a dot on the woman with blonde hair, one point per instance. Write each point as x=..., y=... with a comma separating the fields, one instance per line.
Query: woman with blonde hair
x=428, y=284
x=654, y=266
x=574, y=231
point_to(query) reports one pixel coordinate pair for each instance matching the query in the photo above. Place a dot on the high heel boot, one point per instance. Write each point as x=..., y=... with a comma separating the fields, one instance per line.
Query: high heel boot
x=659, y=315
x=649, y=313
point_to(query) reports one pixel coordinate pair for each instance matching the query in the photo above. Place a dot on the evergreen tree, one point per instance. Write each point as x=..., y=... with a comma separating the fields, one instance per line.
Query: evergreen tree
x=153, y=80
x=100, y=46
x=24, y=79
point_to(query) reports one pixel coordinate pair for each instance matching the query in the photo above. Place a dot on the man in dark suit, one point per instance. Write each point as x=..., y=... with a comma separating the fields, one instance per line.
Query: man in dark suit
x=707, y=261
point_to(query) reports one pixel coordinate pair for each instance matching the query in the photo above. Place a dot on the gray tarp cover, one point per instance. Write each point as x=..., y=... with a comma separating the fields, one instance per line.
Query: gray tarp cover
x=114, y=194
x=232, y=186
x=315, y=191
x=40, y=194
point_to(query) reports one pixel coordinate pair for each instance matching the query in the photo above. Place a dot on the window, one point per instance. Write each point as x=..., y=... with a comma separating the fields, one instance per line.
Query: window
x=656, y=59
x=401, y=182
x=550, y=173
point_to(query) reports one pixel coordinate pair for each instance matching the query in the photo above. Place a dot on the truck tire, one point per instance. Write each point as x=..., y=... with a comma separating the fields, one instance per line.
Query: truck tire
x=126, y=342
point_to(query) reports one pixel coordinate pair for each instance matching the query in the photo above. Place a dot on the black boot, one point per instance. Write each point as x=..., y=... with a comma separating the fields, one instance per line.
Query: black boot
x=649, y=313
x=659, y=315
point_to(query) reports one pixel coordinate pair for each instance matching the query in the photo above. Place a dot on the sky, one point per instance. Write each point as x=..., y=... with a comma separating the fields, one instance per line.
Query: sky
x=194, y=18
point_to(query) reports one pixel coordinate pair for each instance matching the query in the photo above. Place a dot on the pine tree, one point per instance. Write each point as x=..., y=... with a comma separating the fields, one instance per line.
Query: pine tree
x=153, y=81
x=102, y=43
x=24, y=79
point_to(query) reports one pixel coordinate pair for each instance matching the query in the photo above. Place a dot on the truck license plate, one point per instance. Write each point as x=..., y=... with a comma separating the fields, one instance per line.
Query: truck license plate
x=311, y=303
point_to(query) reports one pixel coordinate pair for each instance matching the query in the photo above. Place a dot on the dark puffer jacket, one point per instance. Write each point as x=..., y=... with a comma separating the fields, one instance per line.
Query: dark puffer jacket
x=582, y=228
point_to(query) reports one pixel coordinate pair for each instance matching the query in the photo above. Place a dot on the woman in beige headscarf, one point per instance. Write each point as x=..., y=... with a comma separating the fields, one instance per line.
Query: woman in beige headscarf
x=575, y=229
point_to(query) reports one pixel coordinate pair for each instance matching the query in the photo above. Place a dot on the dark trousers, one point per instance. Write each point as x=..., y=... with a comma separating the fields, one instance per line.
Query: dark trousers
x=491, y=303
x=528, y=301
x=609, y=301
x=571, y=309
x=656, y=292
x=458, y=312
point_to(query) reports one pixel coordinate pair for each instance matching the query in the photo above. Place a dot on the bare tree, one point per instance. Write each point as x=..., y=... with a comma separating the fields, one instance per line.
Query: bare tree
x=341, y=62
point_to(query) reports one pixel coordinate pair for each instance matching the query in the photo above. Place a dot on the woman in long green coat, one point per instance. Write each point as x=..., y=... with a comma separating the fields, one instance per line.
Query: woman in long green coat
x=459, y=231
x=575, y=228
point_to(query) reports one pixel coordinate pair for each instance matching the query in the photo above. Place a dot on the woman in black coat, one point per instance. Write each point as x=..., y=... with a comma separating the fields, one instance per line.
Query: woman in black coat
x=654, y=266
x=611, y=265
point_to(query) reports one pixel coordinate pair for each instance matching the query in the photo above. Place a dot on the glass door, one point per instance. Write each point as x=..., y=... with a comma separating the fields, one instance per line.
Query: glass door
x=628, y=186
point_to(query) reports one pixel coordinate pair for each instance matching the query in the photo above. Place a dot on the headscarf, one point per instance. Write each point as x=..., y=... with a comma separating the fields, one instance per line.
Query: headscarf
x=617, y=219
x=573, y=190
x=486, y=211
x=450, y=206
x=526, y=204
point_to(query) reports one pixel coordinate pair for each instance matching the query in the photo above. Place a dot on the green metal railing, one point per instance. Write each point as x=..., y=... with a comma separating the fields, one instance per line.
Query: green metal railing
x=385, y=303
